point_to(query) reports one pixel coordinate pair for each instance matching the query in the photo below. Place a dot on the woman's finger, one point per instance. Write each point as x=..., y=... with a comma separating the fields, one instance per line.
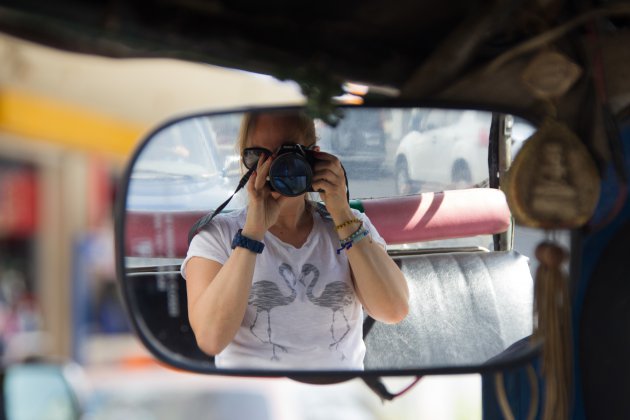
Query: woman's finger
x=262, y=170
x=323, y=156
x=329, y=174
x=328, y=161
x=329, y=182
x=327, y=185
x=251, y=182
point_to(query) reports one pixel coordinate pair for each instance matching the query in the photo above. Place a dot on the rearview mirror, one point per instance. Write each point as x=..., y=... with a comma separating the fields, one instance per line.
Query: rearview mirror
x=425, y=191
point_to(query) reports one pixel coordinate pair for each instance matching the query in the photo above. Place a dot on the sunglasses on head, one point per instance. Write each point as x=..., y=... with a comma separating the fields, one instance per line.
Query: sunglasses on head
x=251, y=155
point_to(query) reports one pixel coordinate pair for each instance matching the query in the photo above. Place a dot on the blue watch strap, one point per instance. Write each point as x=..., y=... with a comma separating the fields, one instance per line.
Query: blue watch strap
x=247, y=243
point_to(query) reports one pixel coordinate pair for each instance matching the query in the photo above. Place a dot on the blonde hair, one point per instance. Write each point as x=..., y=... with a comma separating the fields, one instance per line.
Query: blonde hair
x=302, y=131
x=301, y=126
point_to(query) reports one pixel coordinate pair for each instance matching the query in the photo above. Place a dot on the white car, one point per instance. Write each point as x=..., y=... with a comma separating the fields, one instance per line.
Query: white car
x=184, y=169
x=445, y=149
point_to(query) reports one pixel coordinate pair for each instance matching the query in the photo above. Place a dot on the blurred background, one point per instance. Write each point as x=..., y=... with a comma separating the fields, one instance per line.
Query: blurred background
x=68, y=123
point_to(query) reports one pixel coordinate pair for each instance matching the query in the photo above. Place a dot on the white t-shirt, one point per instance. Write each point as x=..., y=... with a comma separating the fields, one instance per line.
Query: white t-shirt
x=303, y=312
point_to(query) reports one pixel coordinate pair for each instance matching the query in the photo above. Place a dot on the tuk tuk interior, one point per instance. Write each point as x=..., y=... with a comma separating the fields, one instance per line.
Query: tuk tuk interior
x=559, y=64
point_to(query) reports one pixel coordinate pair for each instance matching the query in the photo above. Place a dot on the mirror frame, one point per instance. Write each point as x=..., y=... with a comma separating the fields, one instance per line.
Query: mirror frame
x=517, y=357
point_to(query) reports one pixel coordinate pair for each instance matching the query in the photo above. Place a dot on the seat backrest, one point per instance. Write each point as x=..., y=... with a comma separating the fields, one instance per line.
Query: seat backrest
x=464, y=308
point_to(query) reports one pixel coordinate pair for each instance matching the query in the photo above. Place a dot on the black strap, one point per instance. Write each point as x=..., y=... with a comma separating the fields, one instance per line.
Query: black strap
x=375, y=383
x=368, y=323
x=203, y=221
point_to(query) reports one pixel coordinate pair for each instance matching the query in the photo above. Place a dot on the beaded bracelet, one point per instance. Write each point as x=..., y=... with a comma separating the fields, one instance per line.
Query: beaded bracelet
x=354, y=234
x=348, y=223
x=353, y=239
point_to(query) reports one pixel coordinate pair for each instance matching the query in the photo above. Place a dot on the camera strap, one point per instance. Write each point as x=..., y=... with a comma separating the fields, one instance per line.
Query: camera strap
x=202, y=222
x=205, y=220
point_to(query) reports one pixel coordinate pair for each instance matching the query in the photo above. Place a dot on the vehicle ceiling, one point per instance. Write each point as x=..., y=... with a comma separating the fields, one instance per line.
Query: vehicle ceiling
x=459, y=51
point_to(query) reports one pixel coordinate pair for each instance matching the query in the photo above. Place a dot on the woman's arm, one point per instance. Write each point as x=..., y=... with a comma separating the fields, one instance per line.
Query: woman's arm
x=217, y=297
x=379, y=283
x=218, y=294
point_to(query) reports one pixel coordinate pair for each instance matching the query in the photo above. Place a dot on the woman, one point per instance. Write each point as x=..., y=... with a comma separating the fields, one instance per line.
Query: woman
x=298, y=302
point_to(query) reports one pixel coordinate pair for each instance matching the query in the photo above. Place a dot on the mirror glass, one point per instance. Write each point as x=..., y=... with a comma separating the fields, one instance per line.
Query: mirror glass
x=422, y=176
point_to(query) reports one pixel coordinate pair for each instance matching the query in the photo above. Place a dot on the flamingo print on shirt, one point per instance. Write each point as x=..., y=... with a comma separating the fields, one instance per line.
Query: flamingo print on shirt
x=335, y=296
x=266, y=295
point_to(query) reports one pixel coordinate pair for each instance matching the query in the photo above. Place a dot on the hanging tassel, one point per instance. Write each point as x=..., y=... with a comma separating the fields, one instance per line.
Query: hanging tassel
x=552, y=321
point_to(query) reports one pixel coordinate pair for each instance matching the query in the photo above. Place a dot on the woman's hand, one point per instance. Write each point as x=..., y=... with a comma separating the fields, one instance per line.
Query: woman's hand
x=264, y=206
x=330, y=182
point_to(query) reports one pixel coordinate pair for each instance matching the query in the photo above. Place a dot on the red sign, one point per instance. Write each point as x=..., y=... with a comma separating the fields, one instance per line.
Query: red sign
x=18, y=202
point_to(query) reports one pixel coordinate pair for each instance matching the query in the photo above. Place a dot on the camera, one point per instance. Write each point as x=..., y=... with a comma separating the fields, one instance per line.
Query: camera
x=291, y=172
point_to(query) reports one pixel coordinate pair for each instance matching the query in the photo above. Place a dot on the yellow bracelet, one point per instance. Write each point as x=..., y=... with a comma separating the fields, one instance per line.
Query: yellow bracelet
x=347, y=223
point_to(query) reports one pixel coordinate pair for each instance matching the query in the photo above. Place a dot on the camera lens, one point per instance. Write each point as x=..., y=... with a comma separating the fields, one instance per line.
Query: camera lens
x=290, y=174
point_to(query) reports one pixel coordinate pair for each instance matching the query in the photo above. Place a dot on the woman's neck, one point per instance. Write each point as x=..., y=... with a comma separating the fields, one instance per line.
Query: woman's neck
x=294, y=226
x=294, y=217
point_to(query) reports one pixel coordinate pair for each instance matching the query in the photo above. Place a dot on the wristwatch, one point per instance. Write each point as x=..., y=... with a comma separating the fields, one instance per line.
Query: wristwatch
x=247, y=243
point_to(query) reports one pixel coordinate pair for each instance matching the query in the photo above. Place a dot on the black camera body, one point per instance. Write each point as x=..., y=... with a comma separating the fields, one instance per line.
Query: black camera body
x=291, y=172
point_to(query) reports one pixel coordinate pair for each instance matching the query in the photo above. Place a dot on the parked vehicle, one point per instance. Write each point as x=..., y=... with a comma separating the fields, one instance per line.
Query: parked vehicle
x=358, y=140
x=184, y=169
x=453, y=146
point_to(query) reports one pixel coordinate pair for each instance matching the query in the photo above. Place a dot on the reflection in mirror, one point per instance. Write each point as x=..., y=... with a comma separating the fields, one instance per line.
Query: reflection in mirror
x=419, y=175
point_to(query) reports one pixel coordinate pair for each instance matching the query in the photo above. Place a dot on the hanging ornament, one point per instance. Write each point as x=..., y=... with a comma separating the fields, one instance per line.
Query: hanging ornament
x=553, y=184
x=552, y=326
x=550, y=74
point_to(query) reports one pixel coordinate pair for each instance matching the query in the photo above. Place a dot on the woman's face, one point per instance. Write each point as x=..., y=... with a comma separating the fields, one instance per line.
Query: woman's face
x=272, y=131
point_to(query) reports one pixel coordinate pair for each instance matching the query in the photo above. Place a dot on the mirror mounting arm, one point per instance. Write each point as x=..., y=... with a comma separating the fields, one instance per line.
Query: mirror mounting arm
x=378, y=387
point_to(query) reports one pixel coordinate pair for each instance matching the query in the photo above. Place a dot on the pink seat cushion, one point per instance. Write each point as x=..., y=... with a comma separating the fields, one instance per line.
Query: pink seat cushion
x=424, y=217
x=442, y=215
